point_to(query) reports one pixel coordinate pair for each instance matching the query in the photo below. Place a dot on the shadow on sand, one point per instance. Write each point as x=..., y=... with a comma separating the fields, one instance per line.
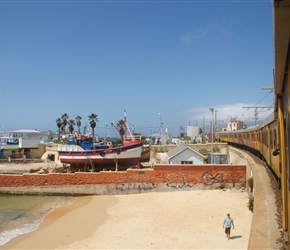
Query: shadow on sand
x=235, y=237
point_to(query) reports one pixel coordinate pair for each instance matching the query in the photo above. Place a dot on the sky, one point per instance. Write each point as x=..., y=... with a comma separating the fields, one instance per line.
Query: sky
x=164, y=62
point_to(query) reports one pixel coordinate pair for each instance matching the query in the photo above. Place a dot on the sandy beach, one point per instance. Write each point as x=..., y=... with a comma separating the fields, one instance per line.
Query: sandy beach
x=170, y=220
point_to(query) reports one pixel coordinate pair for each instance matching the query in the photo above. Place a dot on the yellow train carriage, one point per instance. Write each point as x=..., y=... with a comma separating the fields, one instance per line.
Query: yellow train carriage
x=262, y=140
x=274, y=157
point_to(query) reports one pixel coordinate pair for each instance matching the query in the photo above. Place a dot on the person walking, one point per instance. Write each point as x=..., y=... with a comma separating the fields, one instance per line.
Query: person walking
x=228, y=222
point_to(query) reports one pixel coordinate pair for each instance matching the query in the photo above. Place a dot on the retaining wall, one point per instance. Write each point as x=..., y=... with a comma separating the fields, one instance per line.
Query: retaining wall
x=160, y=178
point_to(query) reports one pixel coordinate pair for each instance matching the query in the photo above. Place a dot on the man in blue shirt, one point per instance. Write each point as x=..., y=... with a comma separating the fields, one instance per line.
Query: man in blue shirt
x=228, y=222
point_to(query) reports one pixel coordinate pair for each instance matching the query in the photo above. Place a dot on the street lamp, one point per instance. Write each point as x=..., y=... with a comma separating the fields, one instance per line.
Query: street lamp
x=160, y=127
x=105, y=132
x=211, y=158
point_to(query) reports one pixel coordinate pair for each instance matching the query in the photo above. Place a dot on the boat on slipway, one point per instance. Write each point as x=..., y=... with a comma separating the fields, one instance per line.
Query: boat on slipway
x=83, y=155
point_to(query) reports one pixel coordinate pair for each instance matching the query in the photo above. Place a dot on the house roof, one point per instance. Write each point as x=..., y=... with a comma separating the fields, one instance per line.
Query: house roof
x=180, y=148
x=234, y=120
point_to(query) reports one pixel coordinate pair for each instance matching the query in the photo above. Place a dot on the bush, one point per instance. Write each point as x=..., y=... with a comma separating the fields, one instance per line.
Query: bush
x=251, y=203
x=251, y=183
x=203, y=151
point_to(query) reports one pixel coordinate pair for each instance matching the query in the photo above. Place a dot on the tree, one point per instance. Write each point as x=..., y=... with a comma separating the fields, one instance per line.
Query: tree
x=64, y=118
x=120, y=127
x=71, y=124
x=78, y=120
x=93, y=122
x=59, y=124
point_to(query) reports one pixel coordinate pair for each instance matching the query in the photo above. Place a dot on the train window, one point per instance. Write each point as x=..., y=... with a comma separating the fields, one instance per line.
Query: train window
x=265, y=138
x=271, y=138
x=253, y=136
x=275, y=139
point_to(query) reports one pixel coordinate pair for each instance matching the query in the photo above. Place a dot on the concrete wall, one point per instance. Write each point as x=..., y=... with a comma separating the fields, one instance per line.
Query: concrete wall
x=161, y=178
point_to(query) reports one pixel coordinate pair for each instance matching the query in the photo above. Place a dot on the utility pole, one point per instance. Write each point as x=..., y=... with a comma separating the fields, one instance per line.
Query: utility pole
x=203, y=125
x=215, y=121
x=256, y=111
x=212, y=110
x=161, y=123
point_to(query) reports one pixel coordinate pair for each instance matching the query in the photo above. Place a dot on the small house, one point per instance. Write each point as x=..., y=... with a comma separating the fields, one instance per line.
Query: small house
x=183, y=154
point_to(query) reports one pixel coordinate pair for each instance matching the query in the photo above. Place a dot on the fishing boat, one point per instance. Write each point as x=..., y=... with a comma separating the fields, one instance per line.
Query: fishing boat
x=145, y=155
x=83, y=154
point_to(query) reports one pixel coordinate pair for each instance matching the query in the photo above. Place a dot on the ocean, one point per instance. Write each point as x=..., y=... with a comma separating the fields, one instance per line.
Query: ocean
x=20, y=214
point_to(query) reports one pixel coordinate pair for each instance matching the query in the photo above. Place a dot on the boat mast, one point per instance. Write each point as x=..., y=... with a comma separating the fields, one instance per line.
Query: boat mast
x=125, y=125
x=127, y=129
x=127, y=133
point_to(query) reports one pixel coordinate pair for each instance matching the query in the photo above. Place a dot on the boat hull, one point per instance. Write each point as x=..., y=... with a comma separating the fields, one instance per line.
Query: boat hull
x=120, y=158
x=145, y=155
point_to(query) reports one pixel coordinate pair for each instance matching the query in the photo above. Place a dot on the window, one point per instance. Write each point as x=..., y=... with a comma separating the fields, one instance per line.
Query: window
x=186, y=162
x=265, y=138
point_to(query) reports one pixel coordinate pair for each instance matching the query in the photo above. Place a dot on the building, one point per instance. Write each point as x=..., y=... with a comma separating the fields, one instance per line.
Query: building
x=183, y=154
x=159, y=139
x=22, y=143
x=192, y=132
x=14, y=151
x=235, y=124
x=218, y=158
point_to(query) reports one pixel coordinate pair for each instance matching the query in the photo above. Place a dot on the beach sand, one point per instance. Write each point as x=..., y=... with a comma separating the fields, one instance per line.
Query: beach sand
x=169, y=220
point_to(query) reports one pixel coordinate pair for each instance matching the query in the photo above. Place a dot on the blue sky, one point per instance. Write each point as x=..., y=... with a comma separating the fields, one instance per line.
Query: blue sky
x=174, y=58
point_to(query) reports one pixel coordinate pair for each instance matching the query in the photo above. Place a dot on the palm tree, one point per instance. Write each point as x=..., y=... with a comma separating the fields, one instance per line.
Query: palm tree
x=93, y=122
x=121, y=129
x=64, y=118
x=78, y=120
x=59, y=124
x=71, y=124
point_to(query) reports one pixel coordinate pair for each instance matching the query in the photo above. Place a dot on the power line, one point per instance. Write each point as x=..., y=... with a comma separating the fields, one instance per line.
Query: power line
x=256, y=111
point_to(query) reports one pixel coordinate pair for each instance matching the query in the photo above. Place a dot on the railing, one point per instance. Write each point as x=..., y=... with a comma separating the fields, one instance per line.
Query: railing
x=52, y=147
x=133, y=138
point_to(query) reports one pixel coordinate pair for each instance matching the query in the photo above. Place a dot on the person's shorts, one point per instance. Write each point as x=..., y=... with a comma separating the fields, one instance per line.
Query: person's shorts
x=227, y=230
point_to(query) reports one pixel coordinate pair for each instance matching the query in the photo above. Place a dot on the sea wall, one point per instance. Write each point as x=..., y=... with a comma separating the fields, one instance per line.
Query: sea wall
x=159, y=178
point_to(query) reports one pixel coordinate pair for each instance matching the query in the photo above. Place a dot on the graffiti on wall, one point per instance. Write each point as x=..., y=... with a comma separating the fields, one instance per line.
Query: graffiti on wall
x=135, y=182
x=209, y=179
x=179, y=181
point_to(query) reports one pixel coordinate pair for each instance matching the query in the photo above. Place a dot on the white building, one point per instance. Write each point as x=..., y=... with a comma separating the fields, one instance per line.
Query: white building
x=192, y=132
x=235, y=124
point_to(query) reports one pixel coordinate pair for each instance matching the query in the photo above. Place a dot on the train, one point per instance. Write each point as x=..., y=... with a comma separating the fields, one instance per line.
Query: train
x=271, y=139
x=262, y=140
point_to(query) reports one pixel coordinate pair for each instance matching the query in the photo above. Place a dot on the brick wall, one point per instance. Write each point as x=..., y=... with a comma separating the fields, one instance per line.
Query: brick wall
x=160, y=174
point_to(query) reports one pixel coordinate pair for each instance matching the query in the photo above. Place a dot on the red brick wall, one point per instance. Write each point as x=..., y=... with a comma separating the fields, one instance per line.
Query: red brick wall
x=169, y=174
